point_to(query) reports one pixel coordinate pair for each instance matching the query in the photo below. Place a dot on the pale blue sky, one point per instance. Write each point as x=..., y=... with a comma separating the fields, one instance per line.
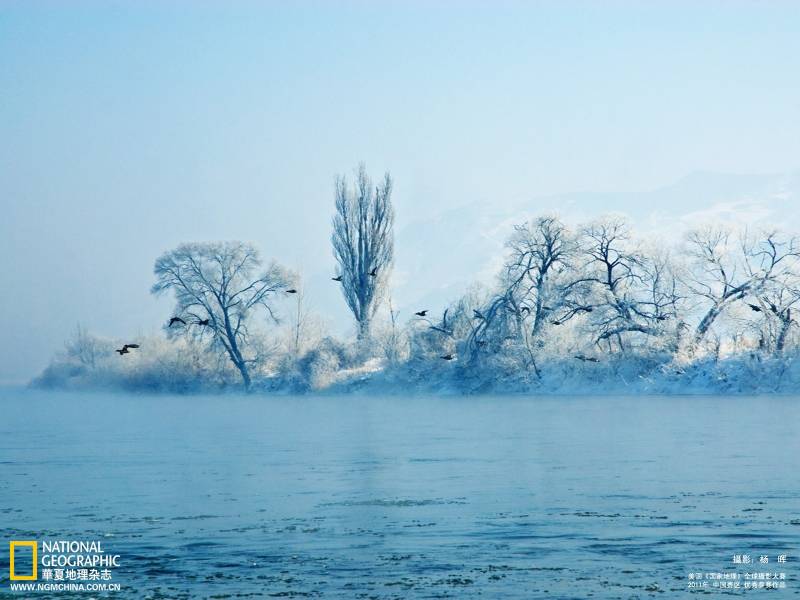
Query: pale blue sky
x=128, y=127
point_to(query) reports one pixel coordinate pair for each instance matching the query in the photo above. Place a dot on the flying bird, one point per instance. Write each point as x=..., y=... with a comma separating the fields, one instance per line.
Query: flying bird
x=291, y=291
x=337, y=278
x=124, y=349
x=203, y=322
x=421, y=313
x=754, y=307
x=447, y=357
x=374, y=272
x=586, y=358
x=174, y=320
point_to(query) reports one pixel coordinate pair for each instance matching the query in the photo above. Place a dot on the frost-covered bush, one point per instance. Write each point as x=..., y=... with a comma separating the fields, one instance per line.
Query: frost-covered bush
x=317, y=369
x=174, y=365
x=83, y=354
x=390, y=339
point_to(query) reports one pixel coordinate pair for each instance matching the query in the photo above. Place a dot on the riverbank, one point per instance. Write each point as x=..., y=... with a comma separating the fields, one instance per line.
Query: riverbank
x=750, y=373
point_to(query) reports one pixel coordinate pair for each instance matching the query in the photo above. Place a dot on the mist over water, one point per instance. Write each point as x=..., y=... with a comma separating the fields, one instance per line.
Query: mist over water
x=419, y=497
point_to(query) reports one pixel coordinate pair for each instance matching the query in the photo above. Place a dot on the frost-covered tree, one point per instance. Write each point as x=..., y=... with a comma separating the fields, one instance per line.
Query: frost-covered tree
x=304, y=327
x=300, y=321
x=660, y=299
x=539, y=251
x=534, y=285
x=390, y=337
x=726, y=271
x=599, y=281
x=219, y=287
x=776, y=308
x=632, y=292
x=363, y=244
x=86, y=347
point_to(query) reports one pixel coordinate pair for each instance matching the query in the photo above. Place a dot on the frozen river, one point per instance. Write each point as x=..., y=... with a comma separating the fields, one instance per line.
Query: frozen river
x=392, y=497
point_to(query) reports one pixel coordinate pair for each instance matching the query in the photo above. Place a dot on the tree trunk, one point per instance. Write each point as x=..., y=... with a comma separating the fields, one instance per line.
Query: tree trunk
x=704, y=326
x=245, y=375
x=786, y=324
x=364, y=327
x=538, y=316
x=233, y=351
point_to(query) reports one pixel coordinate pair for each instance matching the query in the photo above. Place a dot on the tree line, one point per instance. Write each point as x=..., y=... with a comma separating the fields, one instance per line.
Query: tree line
x=588, y=294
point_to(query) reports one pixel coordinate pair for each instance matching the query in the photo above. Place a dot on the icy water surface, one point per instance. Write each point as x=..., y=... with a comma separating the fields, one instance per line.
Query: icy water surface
x=373, y=497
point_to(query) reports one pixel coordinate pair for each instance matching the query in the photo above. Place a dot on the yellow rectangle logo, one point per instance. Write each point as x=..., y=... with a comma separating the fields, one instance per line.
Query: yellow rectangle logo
x=12, y=546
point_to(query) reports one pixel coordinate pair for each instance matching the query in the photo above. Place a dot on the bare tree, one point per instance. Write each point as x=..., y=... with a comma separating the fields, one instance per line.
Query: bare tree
x=777, y=304
x=716, y=276
x=537, y=250
x=724, y=273
x=659, y=297
x=541, y=285
x=530, y=289
x=305, y=327
x=220, y=286
x=391, y=338
x=299, y=322
x=363, y=244
x=774, y=261
x=86, y=347
x=634, y=293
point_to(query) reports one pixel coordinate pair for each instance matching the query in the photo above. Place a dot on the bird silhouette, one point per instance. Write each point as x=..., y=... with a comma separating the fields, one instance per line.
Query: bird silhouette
x=203, y=322
x=421, y=313
x=291, y=291
x=374, y=272
x=447, y=357
x=586, y=358
x=754, y=307
x=174, y=320
x=556, y=322
x=124, y=349
x=337, y=278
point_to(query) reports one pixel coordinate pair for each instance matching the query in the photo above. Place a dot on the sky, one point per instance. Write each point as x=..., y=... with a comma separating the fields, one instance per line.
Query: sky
x=127, y=128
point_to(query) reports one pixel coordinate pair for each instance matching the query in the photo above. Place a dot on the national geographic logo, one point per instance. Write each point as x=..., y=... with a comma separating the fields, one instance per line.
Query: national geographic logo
x=12, y=562
x=61, y=560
